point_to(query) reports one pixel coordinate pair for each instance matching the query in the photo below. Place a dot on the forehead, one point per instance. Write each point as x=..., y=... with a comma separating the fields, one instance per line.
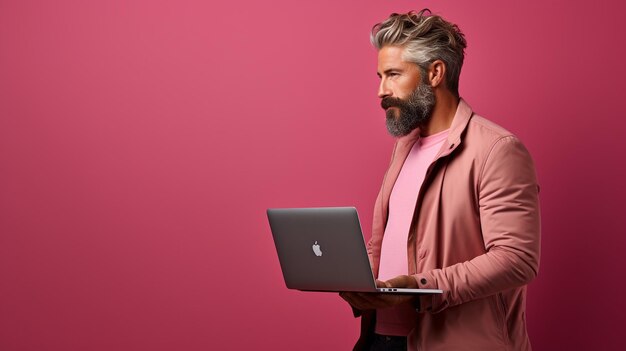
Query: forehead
x=391, y=57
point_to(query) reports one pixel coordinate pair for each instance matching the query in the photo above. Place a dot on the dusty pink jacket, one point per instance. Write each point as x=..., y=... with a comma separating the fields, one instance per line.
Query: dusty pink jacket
x=475, y=234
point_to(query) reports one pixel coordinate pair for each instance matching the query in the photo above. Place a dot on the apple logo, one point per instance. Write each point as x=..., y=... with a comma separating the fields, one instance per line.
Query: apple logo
x=317, y=250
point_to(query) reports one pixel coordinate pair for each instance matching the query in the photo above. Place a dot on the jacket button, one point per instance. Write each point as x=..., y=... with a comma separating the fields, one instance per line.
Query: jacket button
x=423, y=281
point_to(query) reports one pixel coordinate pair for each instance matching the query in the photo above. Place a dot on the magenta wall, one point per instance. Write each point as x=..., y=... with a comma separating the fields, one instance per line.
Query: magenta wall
x=142, y=141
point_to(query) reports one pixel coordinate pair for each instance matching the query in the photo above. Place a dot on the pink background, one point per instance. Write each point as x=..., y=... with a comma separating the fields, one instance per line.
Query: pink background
x=142, y=141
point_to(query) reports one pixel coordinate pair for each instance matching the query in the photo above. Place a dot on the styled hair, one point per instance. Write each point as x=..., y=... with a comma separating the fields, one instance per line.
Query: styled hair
x=425, y=38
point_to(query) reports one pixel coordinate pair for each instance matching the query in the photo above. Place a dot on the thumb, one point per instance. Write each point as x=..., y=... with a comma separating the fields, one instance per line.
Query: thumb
x=381, y=284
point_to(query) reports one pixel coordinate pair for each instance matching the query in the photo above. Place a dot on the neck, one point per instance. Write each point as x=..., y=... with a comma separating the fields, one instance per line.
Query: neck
x=442, y=115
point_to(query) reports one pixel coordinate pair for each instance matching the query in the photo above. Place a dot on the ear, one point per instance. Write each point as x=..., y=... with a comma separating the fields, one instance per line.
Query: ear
x=437, y=73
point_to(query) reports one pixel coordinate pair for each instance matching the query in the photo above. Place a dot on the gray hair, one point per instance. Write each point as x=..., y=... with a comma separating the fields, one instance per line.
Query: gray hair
x=425, y=38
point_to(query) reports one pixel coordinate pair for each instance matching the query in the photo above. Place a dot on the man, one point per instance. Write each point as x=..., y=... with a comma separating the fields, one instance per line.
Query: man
x=458, y=209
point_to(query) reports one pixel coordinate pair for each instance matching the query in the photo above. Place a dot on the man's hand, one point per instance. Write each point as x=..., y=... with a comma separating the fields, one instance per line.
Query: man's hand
x=370, y=301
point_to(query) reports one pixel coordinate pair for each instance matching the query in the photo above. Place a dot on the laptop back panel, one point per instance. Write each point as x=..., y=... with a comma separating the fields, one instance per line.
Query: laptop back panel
x=321, y=249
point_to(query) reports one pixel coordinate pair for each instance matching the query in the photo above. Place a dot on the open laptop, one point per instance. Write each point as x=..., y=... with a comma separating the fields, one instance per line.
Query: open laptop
x=322, y=249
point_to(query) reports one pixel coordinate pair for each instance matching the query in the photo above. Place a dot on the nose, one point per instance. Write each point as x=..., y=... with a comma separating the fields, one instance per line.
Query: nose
x=383, y=89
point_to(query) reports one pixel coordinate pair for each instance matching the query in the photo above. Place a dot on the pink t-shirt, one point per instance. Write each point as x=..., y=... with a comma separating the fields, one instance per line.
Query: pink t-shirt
x=399, y=320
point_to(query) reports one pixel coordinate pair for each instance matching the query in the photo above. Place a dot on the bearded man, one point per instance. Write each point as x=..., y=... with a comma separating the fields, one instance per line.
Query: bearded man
x=458, y=209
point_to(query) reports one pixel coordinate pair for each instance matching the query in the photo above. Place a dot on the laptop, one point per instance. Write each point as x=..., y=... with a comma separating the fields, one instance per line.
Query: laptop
x=322, y=249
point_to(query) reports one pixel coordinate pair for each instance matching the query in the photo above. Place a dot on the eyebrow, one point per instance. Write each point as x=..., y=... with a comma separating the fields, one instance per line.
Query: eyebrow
x=389, y=70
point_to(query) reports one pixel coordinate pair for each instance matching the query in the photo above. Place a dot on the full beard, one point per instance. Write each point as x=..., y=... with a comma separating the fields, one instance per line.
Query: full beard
x=411, y=113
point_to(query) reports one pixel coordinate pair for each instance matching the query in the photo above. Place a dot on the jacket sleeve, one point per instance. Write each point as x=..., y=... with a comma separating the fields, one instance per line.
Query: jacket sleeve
x=510, y=223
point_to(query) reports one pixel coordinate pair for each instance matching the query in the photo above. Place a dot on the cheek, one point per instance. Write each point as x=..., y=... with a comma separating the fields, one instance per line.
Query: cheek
x=404, y=94
x=405, y=88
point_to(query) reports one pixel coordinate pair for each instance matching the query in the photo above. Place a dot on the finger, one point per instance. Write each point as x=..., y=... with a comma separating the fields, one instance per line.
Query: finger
x=354, y=300
x=364, y=301
x=396, y=282
x=346, y=296
x=367, y=301
x=402, y=281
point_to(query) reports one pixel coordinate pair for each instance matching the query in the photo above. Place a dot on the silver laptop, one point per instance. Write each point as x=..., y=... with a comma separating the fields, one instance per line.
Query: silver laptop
x=322, y=249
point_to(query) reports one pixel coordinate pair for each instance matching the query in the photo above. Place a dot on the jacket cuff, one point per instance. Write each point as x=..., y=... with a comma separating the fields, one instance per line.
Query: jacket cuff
x=424, y=303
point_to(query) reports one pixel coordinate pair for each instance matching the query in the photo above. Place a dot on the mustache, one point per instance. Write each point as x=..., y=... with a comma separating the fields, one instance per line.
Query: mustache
x=389, y=101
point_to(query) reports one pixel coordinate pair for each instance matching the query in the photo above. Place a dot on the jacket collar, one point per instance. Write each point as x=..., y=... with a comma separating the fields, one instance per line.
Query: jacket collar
x=459, y=124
